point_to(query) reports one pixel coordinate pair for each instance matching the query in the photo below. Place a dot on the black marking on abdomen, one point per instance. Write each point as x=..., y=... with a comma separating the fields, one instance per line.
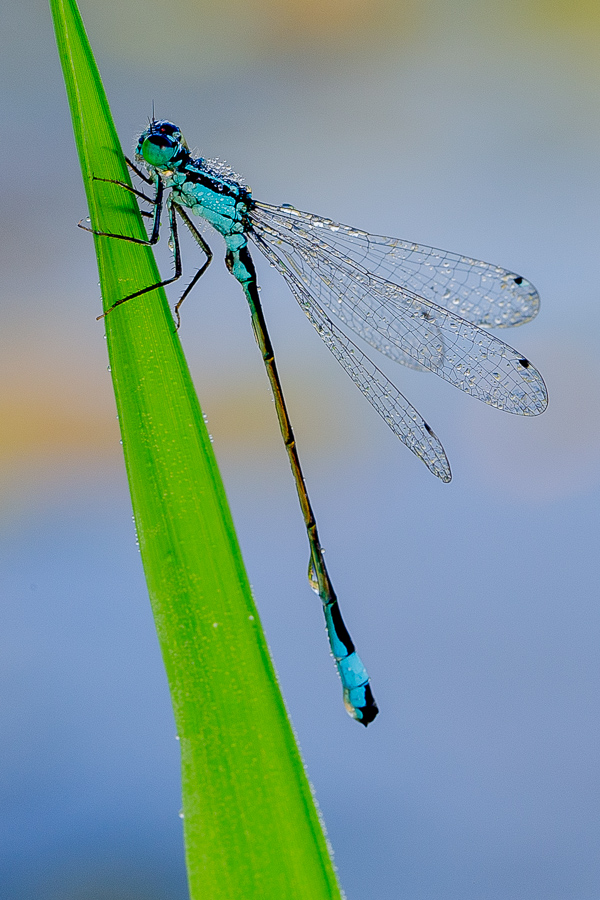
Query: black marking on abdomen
x=247, y=260
x=370, y=709
x=340, y=628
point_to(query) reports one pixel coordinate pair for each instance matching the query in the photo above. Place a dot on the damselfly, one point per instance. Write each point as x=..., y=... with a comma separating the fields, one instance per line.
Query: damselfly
x=422, y=307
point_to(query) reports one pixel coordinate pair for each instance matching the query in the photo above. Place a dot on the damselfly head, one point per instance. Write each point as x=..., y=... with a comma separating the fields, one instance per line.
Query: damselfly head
x=161, y=145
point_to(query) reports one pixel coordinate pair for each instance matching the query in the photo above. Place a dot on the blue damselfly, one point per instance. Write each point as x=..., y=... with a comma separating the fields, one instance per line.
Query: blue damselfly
x=425, y=308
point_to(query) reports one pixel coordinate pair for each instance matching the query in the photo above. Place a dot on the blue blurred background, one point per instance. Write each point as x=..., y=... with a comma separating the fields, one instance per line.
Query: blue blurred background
x=470, y=125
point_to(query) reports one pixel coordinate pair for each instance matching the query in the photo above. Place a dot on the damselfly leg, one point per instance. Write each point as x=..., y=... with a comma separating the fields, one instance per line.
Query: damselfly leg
x=173, y=210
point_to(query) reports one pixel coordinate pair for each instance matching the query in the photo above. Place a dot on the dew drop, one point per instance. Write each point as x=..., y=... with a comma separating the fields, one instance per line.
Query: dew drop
x=312, y=577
